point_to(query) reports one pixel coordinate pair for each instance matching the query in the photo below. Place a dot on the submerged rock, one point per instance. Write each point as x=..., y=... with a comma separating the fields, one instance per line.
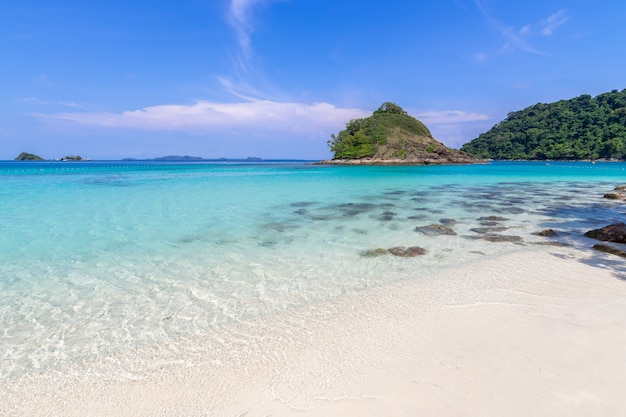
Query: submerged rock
x=545, y=233
x=609, y=249
x=502, y=238
x=435, y=230
x=448, y=222
x=612, y=233
x=491, y=229
x=493, y=219
x=401, y=251
x=372, y=253
x=492, y=237
x=409, y=252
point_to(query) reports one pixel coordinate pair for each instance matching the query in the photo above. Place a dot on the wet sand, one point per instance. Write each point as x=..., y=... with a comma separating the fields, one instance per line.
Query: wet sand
x=534, y=333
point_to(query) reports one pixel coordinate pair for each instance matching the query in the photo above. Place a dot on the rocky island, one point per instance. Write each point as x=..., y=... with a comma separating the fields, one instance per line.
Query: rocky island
x=390, y=136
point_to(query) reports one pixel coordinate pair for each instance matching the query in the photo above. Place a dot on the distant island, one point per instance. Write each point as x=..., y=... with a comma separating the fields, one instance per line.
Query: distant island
x=187, y=158
x=390, y=136
x=25, y=156
x=584, y=127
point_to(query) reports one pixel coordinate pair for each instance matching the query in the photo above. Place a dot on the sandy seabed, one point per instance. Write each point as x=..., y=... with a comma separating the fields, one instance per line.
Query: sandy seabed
x=533, y=333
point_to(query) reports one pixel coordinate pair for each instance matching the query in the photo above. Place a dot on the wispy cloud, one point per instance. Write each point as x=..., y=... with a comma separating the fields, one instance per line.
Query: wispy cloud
x=454, y=127
x=518, y=38
x=450, y=117
x=553, y=21
x=515, y=38
x=241, y=16
x=210, y=117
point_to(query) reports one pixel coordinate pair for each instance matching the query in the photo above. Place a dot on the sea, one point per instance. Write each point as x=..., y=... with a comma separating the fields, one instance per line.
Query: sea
x=98, y=259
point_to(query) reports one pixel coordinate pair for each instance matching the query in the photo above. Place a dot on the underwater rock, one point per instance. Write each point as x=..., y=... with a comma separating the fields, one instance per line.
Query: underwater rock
x=493, y=219
x=491, y=229
x=372, y=253
x=489, y=223
x=448, y=222
x=409, y=252
x=502, y=238
x=493, y=237
x=609, y=249
x=401, y=251
x=545, y=233
x=435, y=230
x=386, y=216
x=615, y=232
x=418, y=217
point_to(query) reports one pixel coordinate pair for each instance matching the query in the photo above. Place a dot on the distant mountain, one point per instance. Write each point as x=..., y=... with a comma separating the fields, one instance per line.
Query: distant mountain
x=584, y=127
x=389, y=137
x=178, y=158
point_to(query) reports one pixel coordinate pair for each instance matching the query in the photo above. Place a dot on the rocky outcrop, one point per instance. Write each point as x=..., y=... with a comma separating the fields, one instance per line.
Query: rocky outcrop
x=612, y=233
x=618, y=194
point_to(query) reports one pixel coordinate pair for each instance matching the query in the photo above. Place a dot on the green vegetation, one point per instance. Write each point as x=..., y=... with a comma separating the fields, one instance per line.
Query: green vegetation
x=580, y=128
x=363, y=137
x=25, y=156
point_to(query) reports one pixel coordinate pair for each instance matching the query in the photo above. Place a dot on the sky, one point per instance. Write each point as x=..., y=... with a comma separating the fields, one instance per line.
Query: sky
x=275, y=78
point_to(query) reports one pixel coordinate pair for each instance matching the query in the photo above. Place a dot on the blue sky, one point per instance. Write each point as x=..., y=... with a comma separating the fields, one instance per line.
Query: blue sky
x=274, y=78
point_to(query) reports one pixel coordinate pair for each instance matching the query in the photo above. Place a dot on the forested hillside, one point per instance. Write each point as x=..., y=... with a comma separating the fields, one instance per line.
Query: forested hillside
x=584, y=127
x=391, y=136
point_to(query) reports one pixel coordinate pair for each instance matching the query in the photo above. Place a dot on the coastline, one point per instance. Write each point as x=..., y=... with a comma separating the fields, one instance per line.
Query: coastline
x=535, y=332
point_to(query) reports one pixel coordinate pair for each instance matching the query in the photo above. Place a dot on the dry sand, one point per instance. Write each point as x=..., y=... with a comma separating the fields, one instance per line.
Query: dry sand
x=534, y=333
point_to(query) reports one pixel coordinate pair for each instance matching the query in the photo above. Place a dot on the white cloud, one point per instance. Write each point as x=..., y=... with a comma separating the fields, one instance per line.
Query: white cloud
x=553, y=21
x=257, y=116
x=454, y=127
x=450, y=117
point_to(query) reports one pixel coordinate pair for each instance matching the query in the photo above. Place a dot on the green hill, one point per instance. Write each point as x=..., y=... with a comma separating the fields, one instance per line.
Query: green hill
x=25, y=156
x=391, y=136
x=584, y=127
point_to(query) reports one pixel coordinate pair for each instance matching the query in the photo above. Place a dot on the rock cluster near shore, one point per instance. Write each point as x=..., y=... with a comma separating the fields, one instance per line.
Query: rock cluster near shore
x=618, y=194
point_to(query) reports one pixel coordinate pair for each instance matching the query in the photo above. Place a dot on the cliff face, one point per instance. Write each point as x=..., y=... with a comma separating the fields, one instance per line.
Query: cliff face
x=391, y=137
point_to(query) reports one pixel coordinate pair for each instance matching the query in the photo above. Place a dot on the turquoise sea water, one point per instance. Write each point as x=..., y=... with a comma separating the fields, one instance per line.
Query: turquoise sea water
x=102, y=257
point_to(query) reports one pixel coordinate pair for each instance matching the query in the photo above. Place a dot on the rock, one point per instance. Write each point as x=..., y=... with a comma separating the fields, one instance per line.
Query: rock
x=409, y=252
x=435, y=230
x=545, y=233
x=372, y=253
x=502, y=238
x=493, y=219
x=609, y=249
x=486, y=230
x=400, y=251
x=492, y=237
x=615, y=196
x=448, y=222
x=612, y=233
x=620, y=188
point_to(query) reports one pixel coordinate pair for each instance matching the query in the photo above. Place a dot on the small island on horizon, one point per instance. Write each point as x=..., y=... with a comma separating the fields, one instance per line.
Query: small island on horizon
x=390, y=136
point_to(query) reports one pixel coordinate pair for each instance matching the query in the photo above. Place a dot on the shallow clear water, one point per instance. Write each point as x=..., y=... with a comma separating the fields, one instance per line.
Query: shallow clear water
x=96, y=258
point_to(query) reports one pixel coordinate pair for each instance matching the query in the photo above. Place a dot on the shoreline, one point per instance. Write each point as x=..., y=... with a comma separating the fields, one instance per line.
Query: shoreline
x=534, y=332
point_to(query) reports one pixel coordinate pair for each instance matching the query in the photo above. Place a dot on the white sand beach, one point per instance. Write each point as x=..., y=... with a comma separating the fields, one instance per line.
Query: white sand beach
x=533, y=333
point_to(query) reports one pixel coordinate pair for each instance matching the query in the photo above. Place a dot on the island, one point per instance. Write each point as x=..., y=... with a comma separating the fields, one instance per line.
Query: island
x=584, y=127
x=25, y=156
x=390, y=136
